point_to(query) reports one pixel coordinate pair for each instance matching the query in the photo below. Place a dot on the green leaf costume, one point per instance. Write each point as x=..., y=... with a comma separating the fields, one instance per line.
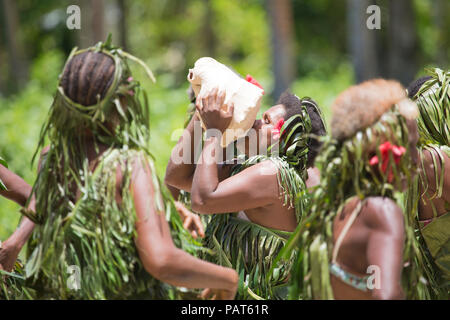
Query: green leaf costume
x=250, y=248
x=433, y=100
x=83, y=244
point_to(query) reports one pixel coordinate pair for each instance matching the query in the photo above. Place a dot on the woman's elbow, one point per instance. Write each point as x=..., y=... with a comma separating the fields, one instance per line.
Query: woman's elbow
x=200, y=203
x=197, y=206
x=176, y=180
x=161, y=265
x=170, y=179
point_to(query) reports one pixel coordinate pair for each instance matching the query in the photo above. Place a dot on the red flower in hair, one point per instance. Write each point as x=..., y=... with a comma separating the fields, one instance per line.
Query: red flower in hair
x=385, y=149
x=252, y=80
x=277, y=129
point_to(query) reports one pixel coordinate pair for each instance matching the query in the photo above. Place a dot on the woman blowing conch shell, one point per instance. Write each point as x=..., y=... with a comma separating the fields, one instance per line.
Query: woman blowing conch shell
x=269, y=189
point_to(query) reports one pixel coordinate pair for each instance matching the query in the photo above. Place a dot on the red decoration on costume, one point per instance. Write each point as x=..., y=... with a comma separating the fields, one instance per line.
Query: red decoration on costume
x=252, y=80
x=385, y=149
x=277, y=129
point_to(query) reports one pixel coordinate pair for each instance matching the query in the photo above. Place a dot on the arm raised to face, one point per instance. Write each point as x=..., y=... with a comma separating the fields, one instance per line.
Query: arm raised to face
x=253, y=187
x=181, y=166
x=157, y=251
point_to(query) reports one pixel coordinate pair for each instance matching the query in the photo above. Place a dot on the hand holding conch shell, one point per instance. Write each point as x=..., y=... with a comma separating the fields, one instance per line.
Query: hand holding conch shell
x=245, y=96
x=213, y=110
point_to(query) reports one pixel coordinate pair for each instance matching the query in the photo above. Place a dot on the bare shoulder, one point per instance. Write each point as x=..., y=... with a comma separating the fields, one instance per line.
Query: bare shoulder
x=383, y=214
x=313, y=177
x=139, y=163
x=264, y=168
x=261, y=174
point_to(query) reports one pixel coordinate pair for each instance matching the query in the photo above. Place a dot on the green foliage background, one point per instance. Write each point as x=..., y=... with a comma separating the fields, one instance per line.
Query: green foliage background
x=168, y=36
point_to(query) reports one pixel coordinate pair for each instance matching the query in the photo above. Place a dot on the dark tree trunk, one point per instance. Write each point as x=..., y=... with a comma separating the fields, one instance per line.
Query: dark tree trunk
x=92, y=23
x=98, y=21
x=441, y=10
x=362, y=41
x=18, y=67
x=282, y=38
x=403, y=46
x=123, y=30
x=3, y=67
x=84, y=38
x=208, y=36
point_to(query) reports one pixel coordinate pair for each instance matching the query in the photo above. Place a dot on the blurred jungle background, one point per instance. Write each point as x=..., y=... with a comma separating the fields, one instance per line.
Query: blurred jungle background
x=315, y=47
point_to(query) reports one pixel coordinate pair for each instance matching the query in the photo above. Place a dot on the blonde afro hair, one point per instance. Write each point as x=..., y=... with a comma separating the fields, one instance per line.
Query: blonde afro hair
x=362, y=105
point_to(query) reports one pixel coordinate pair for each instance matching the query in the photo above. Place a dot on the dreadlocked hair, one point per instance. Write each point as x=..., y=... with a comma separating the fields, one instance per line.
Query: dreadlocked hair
x=415, y=86
x=97, y=96
x=87, y=77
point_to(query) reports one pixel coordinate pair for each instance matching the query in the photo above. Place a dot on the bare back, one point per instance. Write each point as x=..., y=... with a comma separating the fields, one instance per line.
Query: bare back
x=375, y=237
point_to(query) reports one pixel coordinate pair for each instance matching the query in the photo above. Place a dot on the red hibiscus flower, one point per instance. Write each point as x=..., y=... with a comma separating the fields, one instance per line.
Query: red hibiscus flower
x=252, y=80
x=277, y=129
x=385, y=149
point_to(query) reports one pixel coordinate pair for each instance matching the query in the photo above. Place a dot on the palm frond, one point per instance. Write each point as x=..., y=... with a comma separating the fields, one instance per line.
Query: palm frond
x=250, y=249
x=433, y=99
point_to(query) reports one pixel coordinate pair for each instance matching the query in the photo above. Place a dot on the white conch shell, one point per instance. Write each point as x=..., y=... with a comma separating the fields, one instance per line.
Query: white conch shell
x=208, y=74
